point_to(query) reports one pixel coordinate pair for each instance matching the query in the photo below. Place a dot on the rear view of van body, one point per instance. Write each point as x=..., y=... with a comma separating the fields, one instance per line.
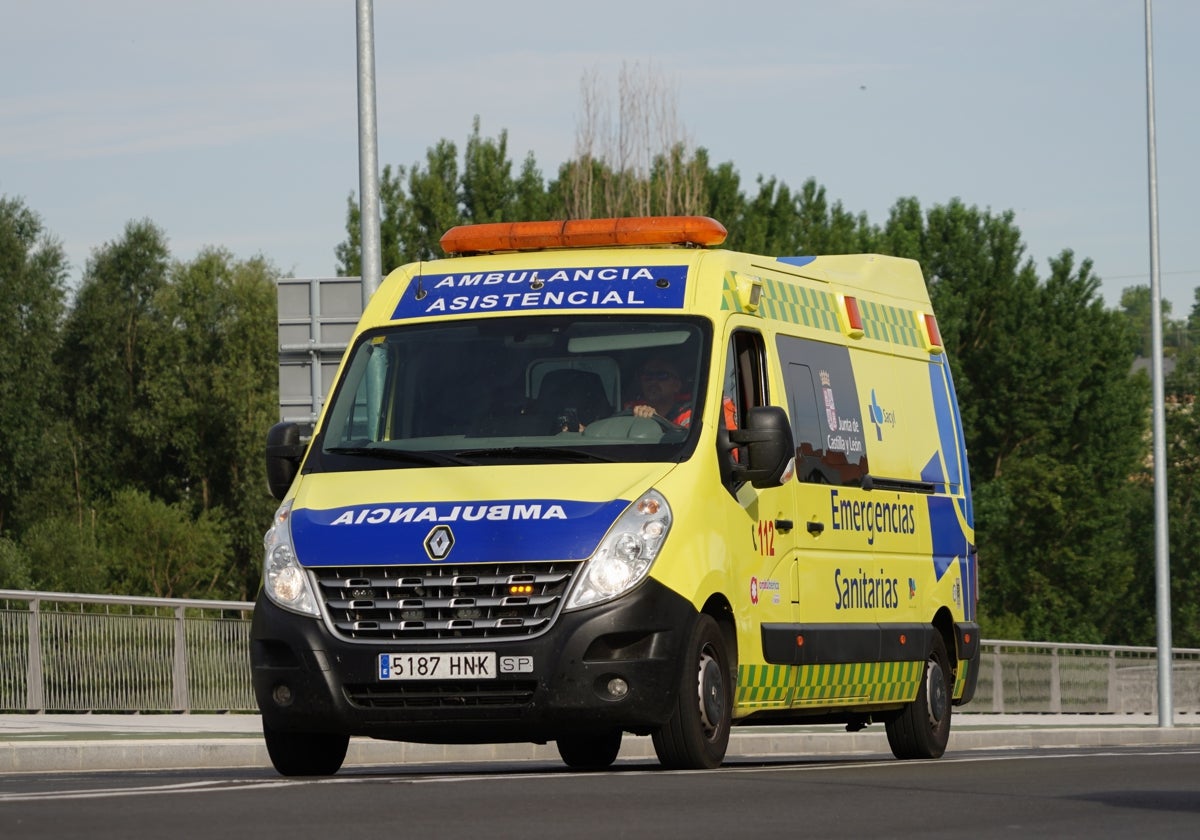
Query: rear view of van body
x=587, y=478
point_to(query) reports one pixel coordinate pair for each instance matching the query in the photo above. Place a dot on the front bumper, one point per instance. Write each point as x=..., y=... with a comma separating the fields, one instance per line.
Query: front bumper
x=306, y=679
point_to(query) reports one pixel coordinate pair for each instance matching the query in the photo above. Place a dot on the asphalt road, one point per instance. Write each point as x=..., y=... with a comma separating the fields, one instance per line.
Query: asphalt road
x=1150, y=791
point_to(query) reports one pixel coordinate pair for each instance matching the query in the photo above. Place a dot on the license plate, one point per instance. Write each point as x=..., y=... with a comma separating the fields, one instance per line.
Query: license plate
x=437, y=666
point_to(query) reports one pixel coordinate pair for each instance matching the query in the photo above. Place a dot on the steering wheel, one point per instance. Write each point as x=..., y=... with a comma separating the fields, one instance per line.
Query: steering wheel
x=666, y=424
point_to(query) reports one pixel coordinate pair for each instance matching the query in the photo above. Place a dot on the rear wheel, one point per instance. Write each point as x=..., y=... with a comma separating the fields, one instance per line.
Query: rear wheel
x=590, y=752
x=697, y=733
x=922, y=728
x=305, y=753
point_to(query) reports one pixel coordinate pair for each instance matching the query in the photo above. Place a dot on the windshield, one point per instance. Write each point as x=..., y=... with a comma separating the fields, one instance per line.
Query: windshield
x=515, y=390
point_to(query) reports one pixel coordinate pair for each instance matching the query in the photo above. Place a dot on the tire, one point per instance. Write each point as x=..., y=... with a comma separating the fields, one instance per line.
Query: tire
x=590, y=752
x=305, y=753
x=696, y=735
x=922, y=728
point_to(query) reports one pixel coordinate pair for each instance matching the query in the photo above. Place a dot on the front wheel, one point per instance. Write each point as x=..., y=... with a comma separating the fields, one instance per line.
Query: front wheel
x=922, y=728
x=305, y=753
x=697, y=733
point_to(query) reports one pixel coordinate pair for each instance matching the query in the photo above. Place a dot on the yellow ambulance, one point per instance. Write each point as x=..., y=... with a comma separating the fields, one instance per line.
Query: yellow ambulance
x=587, y=478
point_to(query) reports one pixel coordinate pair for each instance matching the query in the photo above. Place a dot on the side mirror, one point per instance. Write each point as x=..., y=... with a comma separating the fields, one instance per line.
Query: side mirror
x=768, y=447
x=284, y=451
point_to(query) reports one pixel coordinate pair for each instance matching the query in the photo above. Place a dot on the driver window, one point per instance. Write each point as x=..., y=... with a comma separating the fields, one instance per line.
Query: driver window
x=745, y=373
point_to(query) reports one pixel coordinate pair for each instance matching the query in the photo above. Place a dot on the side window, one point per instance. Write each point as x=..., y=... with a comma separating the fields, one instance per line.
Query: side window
x=802, y=406
x=745, y=375
x=823, y=406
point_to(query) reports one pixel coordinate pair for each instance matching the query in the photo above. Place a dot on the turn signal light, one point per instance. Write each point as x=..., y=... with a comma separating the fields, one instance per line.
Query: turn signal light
x=851, y=316
x=933, y=336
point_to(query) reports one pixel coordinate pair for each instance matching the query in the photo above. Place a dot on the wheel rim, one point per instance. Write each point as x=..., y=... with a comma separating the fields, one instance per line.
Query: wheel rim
x=937, y=699
x=710, y=685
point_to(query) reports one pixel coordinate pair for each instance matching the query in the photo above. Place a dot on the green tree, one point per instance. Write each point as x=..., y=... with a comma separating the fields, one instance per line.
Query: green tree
x=393, y=221
x=33, y=270
x=1182, y=445
x=487, y=192
x=723, y=195
x=154, y=548
x=64, y=556
x=770, y=223
x=14, y=566
x=103, y=364
x=1136, y=306
x=434, y=190
x=1052, y=415
x=533, y=201
x=211, y=387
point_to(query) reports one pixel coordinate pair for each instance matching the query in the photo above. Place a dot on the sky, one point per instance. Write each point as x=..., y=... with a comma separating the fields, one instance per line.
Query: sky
x=234, y=123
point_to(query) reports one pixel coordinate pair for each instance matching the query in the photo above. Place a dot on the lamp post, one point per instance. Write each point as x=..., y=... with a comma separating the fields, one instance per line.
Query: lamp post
x=1162, y=566
x=368, y=154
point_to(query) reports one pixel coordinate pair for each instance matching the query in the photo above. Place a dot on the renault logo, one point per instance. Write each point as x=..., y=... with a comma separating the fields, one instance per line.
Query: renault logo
x=438, y=542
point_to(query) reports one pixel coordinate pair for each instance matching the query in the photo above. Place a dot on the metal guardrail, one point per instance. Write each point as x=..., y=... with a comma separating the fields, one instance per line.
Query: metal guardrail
x=1064, y=678
x=75, y=653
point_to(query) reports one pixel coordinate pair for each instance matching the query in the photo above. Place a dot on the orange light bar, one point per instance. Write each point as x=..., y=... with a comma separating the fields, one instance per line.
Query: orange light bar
x=583, y=233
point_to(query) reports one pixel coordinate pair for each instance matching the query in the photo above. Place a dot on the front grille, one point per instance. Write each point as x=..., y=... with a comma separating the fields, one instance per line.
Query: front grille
x=454, y=694
x=413, y=603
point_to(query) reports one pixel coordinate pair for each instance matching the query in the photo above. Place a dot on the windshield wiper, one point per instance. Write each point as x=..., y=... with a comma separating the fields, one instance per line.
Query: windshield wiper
x=415, y=456
x=550, y=453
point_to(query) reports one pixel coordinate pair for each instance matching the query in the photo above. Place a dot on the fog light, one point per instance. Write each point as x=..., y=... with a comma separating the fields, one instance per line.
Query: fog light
x=282, y=695
x=617, y=688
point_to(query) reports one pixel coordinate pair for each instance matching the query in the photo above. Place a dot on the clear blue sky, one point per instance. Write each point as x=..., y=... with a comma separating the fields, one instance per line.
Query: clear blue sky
x=234, y=122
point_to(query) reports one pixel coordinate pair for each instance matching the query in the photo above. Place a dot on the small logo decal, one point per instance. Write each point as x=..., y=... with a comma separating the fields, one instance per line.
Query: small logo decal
x=880, y=416
x=830, y=408
x=438, y=542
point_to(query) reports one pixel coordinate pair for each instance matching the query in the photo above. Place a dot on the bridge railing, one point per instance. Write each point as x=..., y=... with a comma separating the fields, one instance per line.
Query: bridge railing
x=1064, y=678
x=73, y=653
x=62, y=652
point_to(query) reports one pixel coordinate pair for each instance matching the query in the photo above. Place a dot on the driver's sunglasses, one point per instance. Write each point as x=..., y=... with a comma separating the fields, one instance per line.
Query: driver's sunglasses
x=660, y=375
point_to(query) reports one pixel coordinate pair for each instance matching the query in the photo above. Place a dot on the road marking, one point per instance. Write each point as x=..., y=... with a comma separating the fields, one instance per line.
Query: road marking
x=375, y=775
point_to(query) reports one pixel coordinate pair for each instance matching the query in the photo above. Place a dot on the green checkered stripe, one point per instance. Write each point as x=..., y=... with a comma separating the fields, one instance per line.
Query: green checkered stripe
x=872, y=682
x=890, y=323
x=960, y=683
x=796, y=304
x=787, y=302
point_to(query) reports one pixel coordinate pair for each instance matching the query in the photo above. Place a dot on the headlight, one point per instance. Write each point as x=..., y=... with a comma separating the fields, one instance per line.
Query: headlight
x=283, y=579
x=625, y=554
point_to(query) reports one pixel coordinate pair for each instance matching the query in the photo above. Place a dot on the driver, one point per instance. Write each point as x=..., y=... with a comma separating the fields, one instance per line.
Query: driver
x=662, y=393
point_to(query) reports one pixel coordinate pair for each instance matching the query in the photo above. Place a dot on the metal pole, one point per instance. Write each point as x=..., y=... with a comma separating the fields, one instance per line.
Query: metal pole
x=35, y=696
x=1162, y=566
x=181, y=697
x=316, y=385
x=368, y=163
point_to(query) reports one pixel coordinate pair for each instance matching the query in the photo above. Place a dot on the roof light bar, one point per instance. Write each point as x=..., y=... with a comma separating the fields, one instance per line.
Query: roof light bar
x=583, y=233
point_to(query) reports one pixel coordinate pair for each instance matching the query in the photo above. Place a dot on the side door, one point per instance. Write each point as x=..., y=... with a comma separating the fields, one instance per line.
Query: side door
x=765, y=535
x=831, y=462
x=839, y=590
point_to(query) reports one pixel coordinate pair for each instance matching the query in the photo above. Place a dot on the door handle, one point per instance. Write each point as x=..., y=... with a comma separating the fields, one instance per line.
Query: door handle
x=816, y=527
x=784, y=526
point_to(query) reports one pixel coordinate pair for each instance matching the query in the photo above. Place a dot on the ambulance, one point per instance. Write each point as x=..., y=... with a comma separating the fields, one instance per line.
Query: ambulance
x=588, y=478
